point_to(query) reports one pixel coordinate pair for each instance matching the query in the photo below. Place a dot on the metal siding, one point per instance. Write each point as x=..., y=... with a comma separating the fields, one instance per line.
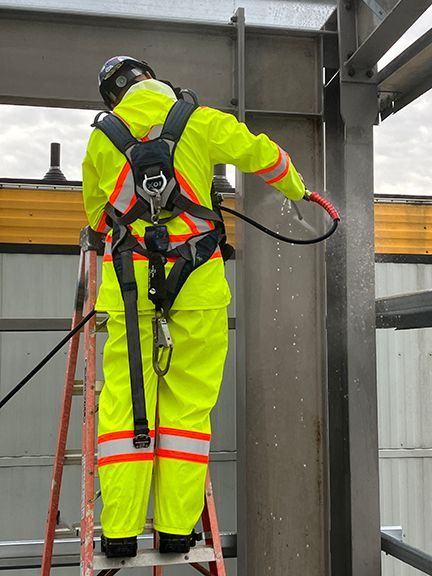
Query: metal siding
x=404, y=362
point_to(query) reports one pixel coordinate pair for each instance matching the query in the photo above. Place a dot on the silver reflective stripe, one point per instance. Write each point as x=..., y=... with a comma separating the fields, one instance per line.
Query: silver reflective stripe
x=127, y=193
x=155, y=132
x=183, y=444
x=279, y=169
x=201, y=225
x=121, y=446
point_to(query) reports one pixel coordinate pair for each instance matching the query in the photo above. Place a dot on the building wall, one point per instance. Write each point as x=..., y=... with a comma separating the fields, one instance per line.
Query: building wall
x=404, y=367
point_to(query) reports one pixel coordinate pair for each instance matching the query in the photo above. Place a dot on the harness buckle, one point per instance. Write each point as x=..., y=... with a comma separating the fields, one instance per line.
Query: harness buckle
x=141, y=441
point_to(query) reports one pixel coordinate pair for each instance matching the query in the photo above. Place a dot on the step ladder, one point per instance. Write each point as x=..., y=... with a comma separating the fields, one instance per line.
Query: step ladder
x=210, y=552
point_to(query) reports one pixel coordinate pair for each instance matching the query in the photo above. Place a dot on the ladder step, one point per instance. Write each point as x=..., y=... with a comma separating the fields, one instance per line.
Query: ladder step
x=79, y=387
x=65, y=531
x=154, y=558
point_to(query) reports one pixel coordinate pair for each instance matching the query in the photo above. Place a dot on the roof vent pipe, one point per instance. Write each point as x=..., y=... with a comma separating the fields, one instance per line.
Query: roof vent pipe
x=220, y=181
x=54, y=174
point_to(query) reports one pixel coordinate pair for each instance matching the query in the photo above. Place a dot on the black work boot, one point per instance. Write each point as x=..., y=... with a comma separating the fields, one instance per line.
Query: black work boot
x=177, y=543
x=119, y=547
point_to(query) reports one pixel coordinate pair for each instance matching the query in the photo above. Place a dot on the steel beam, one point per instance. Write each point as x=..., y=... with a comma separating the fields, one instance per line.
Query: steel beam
x=258, y=11
x=406, y=77
x=85, y=41
x=405, y=311
x=407, y=554
x=51, y=324
x=382, y=38
x=350, y=111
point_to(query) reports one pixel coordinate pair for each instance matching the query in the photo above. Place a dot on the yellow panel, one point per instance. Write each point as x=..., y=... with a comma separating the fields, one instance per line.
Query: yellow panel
x=403, y=228
x=53, y=217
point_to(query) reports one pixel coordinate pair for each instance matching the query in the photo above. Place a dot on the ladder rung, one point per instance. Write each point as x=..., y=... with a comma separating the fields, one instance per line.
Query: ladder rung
x=64, y=532
x=79, y=386
x=154, y=558
x=74, y=530
x=72, y=457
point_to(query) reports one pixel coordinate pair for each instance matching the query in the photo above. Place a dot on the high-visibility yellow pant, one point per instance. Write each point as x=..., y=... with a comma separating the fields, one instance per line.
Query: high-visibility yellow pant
x=177, y=459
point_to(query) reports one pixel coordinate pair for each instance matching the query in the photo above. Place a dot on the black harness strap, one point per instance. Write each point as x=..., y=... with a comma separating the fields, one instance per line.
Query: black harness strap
x=123, y=265
x=176, y=120
x=116, y=130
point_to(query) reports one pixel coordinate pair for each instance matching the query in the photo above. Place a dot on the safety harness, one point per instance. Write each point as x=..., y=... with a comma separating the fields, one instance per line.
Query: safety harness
x=155, y=189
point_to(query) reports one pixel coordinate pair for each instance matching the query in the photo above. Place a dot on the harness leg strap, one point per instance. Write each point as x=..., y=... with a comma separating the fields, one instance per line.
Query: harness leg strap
x=123, y=265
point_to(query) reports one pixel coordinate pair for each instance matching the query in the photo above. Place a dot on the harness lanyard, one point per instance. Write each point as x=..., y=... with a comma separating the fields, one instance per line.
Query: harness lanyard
x=157, y=242
x=123, y=265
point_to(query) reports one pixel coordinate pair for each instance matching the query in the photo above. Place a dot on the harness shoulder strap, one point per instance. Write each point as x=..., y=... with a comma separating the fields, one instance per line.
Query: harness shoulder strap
x=176, y=120
x=116, y=130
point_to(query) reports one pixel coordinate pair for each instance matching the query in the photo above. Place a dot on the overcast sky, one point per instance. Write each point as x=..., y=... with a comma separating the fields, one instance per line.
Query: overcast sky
x=403, y=143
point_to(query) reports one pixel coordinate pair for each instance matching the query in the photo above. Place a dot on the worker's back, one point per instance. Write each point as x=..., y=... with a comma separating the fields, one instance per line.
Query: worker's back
x=107, y=178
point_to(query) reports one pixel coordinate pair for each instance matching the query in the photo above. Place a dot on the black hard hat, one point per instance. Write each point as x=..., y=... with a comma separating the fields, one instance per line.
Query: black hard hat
x=117, y=75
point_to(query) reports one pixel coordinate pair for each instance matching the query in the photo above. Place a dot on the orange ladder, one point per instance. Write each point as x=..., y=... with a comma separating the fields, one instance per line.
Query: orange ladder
x=210, y=552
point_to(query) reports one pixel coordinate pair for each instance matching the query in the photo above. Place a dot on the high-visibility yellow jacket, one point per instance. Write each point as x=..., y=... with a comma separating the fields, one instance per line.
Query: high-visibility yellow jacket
x=210, y=137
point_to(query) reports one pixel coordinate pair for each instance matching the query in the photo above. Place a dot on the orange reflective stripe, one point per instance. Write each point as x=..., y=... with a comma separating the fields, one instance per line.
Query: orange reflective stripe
x=185, y=433
x=192, y=226
x=177, y=455
x=131, y=204
x=118, y=458
x=102, y=226
x=108, y=257
x=186, y=186
x=172, y=237
x=273, y=166
x=284, y=173
x=120, y=435
x=119, y=184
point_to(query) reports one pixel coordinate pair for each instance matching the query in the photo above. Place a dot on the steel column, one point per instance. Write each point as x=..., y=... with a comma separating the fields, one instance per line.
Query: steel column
x=241, y=327
x=351, y=109
x=280, y=331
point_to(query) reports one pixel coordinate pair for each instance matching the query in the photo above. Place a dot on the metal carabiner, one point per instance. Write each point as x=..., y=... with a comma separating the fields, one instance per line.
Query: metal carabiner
x=161, y=339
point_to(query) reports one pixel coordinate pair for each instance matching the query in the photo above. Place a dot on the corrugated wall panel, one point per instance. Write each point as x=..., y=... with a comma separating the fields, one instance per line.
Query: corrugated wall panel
x=37, y=216
x=402, y=228
x=405, y=501
x=404, y=367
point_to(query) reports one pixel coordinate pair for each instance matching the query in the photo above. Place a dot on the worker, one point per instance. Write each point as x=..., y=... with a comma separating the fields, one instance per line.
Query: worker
x=178, y=404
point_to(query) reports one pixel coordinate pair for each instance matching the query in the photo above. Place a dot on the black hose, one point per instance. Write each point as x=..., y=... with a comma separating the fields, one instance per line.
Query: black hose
x=279, y=236
x=47, y=358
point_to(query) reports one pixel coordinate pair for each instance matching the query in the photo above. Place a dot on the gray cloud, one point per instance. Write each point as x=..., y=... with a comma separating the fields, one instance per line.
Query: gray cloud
x=26, y=136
